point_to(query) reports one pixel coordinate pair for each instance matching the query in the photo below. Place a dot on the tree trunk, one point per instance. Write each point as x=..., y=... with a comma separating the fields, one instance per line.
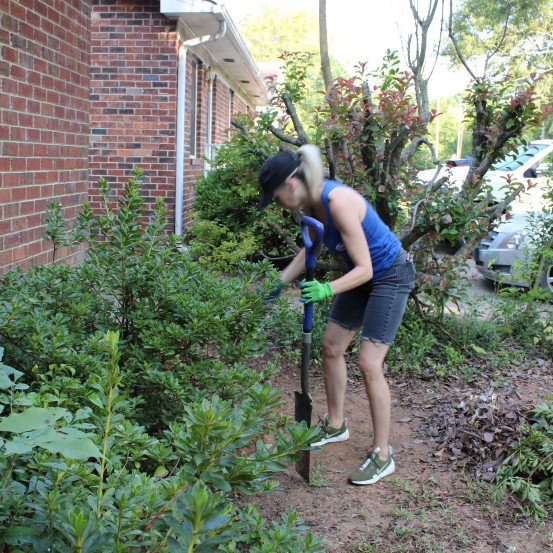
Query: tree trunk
x=323, y=46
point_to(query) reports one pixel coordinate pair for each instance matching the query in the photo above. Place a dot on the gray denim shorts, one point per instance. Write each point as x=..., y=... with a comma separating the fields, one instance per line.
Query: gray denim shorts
x=377, y=306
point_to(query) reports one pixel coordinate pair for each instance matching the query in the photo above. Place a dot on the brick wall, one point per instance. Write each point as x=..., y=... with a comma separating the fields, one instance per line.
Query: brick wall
x=133, y=97
x=88, y=90
x=44, y=124
x=221, y=109
x=240, y=106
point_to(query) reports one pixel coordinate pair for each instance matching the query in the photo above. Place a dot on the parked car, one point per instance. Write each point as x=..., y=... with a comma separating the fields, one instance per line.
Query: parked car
x=463, y=162
x=501, y=256
x=526, y=163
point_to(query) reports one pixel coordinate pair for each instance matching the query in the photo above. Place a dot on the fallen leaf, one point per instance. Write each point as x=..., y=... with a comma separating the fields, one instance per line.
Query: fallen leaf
x=488, y=437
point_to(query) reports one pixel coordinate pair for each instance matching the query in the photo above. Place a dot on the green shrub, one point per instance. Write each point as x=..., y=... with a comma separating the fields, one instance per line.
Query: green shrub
x=528, y=471
x=89, y=479
x=225, y=196
x=227, y=223
x=178, y=323
x=217, y=248
x=414, y=344
x=139, y=406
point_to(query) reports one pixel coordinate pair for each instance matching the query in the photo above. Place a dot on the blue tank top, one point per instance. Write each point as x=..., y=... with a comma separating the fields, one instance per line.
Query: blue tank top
x=383, y=243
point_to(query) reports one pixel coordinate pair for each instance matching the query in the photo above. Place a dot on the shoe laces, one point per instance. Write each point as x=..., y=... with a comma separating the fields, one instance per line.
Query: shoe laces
x=370, y=458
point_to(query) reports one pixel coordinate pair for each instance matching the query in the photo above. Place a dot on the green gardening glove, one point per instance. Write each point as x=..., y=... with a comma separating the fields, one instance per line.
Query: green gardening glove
x=313, y=290
x=274, y=293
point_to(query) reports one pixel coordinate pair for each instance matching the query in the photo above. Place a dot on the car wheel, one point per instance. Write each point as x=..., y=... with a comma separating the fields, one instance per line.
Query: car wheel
x=547, y=278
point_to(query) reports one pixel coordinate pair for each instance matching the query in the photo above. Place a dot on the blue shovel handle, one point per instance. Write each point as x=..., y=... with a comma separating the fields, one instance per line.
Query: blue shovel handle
x=311, y=247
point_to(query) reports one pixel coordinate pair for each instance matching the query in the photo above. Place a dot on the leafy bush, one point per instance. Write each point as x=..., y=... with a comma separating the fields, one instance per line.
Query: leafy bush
x=83, y=480
x=133, y=408
x=528, y=472
x=226, y=196
x=217, y=248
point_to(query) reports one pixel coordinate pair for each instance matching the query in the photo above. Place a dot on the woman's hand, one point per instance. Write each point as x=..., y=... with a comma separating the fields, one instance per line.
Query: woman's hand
x=274, y=293
x=313, y=290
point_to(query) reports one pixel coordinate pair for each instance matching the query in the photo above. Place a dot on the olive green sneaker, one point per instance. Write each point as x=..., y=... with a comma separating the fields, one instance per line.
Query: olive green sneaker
x=373, y=469
x=328, y=434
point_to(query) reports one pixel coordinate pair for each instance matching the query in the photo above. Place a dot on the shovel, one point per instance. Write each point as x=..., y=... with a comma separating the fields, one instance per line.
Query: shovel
x=304, y=403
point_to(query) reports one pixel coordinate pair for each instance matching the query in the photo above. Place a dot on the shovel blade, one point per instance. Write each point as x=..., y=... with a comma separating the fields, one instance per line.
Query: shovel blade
x=304, y=406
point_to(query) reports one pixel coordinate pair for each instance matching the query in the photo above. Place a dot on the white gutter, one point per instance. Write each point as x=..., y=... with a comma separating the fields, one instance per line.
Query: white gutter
x=181, y=114
x=209, y=137
x=179, y=148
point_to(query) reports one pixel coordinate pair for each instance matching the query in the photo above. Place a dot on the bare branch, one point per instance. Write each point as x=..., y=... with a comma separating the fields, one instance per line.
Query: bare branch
x=412, y=148
x=323, y=47
x=416, y=59
x=284, y=235
x=284, y=137
x=502, y=39
x=291, y=110
x=456, y=44
x=330, y=159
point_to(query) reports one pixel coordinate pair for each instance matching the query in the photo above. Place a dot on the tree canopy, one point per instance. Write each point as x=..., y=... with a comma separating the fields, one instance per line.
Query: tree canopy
x=517, y=34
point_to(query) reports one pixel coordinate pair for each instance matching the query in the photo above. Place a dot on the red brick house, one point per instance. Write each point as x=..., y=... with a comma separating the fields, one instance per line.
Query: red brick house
x=93, y=88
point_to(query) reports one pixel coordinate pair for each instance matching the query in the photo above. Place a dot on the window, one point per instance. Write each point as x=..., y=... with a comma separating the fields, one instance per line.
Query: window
x=194, y=108
x=230, y=109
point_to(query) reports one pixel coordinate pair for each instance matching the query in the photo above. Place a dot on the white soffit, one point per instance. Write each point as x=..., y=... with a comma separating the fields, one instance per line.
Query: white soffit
x=199, y=18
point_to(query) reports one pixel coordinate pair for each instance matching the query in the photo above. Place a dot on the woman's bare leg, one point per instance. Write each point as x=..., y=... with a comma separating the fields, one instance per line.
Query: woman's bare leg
x=371, y=365
x=335, y=343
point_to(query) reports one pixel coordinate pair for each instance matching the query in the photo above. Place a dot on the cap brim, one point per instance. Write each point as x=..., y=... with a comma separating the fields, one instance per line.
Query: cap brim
x=265, y=200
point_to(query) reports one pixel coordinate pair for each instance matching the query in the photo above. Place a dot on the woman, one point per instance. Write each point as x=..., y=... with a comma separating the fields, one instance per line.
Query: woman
x=371, y=295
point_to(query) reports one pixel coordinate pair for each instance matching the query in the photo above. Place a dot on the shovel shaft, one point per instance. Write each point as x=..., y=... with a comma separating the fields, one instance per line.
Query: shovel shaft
x=304, y=403
x=305, y=361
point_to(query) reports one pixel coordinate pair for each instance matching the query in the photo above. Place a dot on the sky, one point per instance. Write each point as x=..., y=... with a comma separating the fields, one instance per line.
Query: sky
x=361, y=30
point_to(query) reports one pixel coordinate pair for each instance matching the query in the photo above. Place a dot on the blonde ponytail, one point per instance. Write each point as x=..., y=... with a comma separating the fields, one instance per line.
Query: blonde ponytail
x=312, y=169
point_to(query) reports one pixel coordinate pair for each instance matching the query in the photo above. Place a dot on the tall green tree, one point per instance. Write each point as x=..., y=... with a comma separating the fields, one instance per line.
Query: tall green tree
x=498, y=37
x=272, y=31
x=504, y=34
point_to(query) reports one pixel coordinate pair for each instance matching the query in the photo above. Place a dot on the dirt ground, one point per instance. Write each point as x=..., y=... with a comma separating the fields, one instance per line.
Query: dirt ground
x=429, y=504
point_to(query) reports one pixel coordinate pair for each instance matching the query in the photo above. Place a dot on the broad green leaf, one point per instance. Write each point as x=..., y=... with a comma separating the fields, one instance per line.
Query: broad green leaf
x=74, y=448
x=95, y=398
x=215, y=521
x=13, y=535
x=31, y=419
x=17, y=447
x=5, y=382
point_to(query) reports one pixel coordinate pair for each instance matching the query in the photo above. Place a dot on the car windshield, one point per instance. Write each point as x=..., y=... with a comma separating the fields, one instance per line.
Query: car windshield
x=521, y=155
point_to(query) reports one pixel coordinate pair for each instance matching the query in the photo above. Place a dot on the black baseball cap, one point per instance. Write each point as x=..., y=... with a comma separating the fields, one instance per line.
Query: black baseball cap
x=274, y=172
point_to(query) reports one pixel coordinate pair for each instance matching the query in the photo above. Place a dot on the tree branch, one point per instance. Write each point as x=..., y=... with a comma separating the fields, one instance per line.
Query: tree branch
x=241, y=127
x=502, y=39
x=496, y=212
x=456, y=44
x=291, y=110
x=330, y=159
x=323, y=47
x=284, y=137
x=284, y=235
x=409, y=152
